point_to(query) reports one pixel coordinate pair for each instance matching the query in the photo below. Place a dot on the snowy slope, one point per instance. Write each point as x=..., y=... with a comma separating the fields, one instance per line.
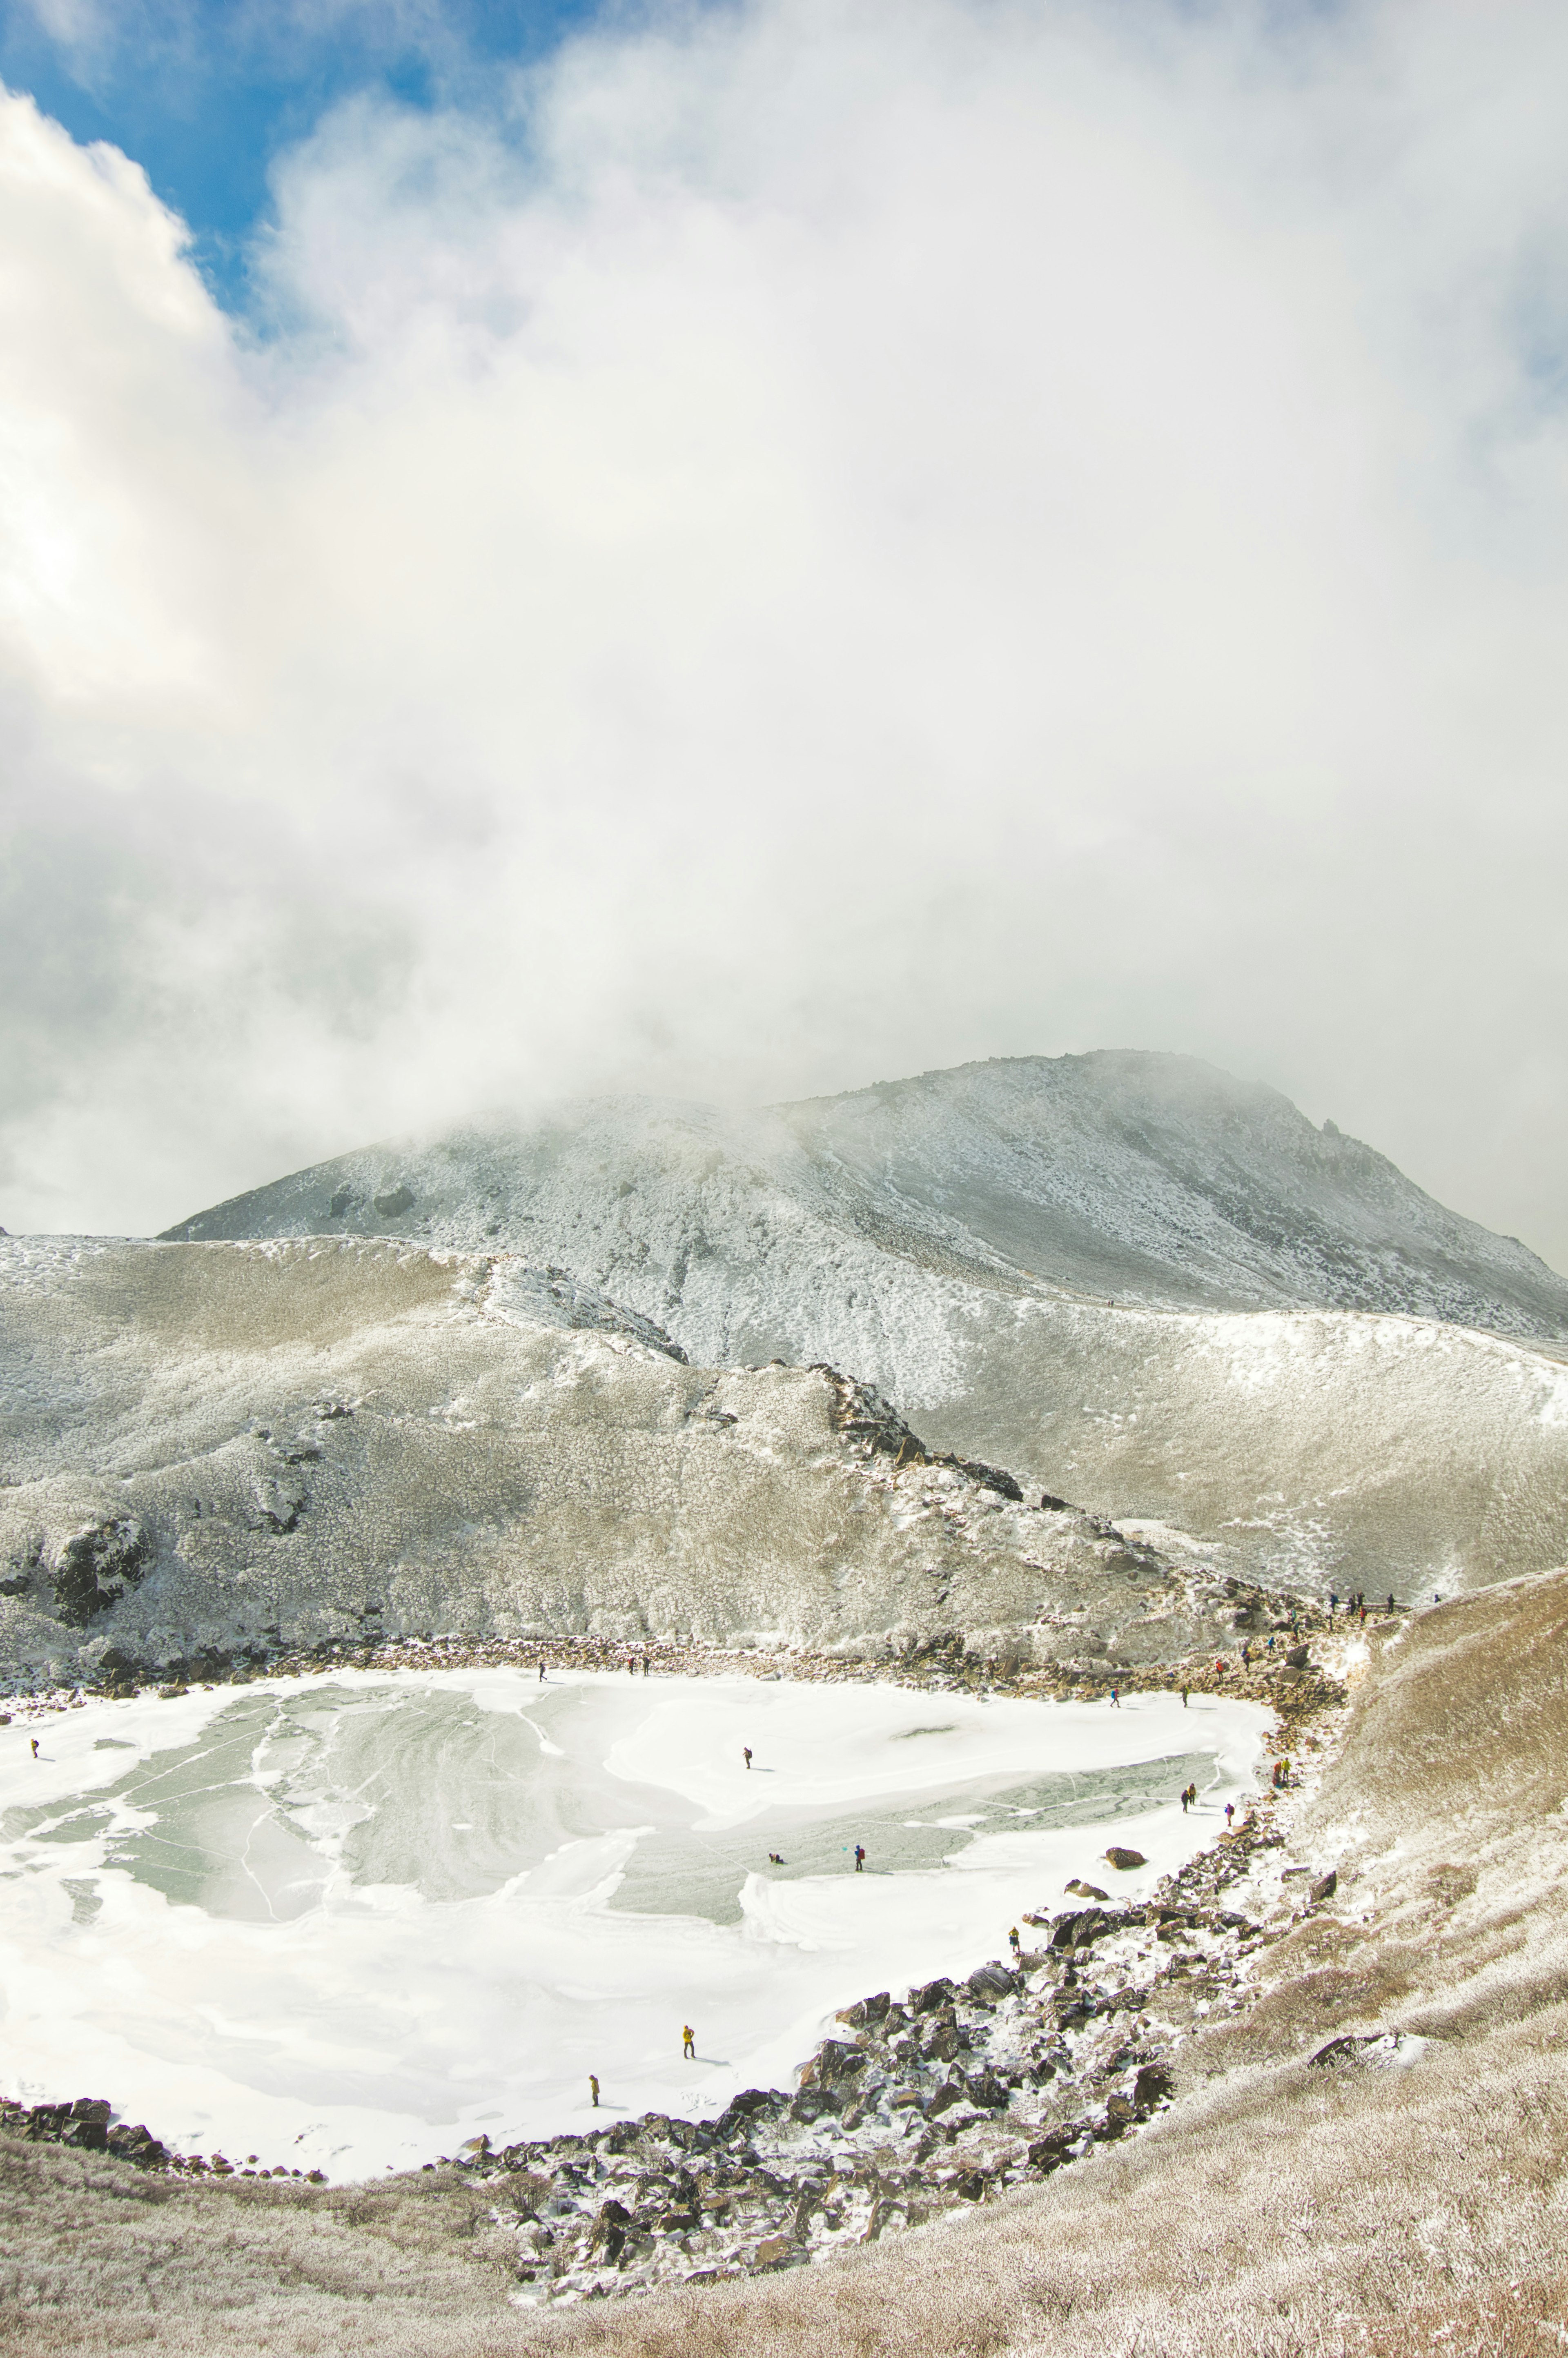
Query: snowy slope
x=1151, y=1179
x=279, y=1444
x=953, y=1241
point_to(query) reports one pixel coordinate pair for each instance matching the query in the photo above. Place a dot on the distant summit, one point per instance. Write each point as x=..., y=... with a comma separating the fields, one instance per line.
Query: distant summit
x=1151, y=1180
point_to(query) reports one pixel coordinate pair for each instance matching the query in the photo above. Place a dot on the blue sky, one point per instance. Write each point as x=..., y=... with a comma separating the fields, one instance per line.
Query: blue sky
x=204, y=93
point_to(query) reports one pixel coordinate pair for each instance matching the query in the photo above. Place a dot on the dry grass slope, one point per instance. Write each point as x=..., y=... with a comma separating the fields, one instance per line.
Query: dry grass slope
x=1278, y=2209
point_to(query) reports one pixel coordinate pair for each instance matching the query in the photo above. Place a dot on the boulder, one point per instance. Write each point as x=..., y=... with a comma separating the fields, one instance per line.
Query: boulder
x=1087, y=1890
x=1325, y=1886
x=741, y=2110
x=990, y=1983
x=1123, y=1859
x=1151, y=2087
x=773, y=2249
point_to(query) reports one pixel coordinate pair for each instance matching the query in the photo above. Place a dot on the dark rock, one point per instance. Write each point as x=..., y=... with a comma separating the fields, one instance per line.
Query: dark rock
x=989, y=1478
x=1124, y=1859
x=1151, y=2087
x=970, y=2185
x=866, y=2011
x=943, y=2043
x=397, y=1199
x=813, y=2102
x=1049, y=1505
x=833, y=2063
x=951, y=2092
x=1087, y=1890
x=1050, y=2151
x=927, y=1999
x=741, y=2110
x=609, y=2236
x=1325, y=1886
x=1296, y=1659
x=989, y=1983
x=97, y=1565
x=987, y=2091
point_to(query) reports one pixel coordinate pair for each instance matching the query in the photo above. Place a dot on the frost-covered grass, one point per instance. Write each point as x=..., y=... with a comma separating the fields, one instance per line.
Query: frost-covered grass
x=1276, y=2208
x=349, y=1924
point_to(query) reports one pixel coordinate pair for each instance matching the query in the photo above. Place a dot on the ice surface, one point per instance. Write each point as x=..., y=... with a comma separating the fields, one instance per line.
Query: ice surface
x=347, y=1925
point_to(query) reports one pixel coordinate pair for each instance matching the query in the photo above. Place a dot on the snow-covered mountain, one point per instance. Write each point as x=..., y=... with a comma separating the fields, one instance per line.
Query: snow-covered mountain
x=1289, y=1372
x=1154, y=1180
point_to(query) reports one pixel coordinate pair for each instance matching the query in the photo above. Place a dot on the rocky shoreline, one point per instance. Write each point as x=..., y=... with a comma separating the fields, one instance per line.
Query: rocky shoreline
x=915, y=2106
x=1279, y=1673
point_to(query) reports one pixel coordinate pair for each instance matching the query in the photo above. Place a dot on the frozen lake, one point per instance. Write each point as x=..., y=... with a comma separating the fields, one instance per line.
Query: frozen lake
x=346, y=1924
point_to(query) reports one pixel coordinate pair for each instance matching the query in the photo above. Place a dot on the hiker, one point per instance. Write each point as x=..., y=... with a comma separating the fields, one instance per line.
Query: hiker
x=35, y=1744
x=630, y=1666
x=644, y=1661
x=1013, y=1940
x=593, y=2091
x=1332, y=1601
x=688, y=2041
x=1192, y=1795
x=541, y=1669
x=746, y=1753
x=1229, y=1813
x=773, y=1859
x=1246, y=1656
x=1390, y=1600
x=1183, y=1698
x=1184, y=1800
x=859, y=1857
x=1115, y=1700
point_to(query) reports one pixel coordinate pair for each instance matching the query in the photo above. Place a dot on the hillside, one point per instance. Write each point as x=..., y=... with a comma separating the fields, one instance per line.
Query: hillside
x=1290, y=1381
x=251, y=1448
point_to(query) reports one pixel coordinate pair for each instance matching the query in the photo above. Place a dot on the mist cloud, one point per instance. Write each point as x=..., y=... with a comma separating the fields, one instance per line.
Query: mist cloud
x=792, y=545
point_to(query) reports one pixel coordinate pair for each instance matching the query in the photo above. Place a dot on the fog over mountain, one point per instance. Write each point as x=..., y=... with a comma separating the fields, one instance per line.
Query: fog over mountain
x=1149, y=1179
x=1136, y=1282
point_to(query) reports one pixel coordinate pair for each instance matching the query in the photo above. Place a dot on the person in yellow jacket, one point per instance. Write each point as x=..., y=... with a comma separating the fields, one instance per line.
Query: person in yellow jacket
x=688, y=2041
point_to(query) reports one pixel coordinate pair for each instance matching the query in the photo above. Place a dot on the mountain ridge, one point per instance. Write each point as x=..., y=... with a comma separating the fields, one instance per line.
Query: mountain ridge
x=1153, y=1179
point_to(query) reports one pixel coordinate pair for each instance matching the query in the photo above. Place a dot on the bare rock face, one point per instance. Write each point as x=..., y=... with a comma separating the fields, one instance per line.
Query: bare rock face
x=95, y=1566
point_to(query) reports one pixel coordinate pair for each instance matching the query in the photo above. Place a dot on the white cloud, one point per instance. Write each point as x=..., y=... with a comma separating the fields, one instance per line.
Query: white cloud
x=805, y=544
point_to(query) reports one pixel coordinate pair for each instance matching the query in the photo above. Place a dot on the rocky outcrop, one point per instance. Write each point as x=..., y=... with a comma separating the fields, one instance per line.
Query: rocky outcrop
x=94, y=1567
